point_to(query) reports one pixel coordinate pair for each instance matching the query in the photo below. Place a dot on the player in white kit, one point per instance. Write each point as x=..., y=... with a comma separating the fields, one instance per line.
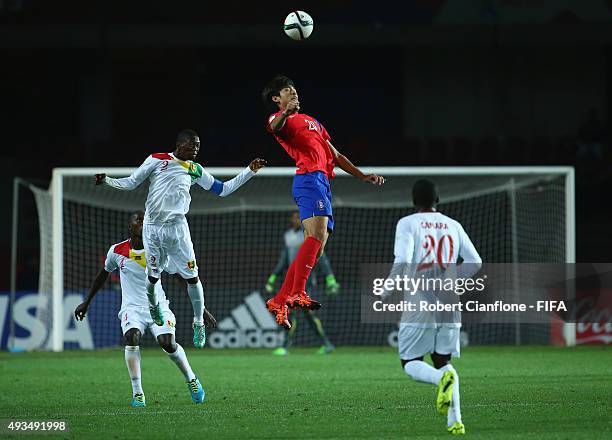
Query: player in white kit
x=128, y=257
x=166, y=233
x=426, y=241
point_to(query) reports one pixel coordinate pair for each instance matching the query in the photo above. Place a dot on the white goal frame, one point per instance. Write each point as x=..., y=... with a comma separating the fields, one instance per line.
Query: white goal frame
x=57, y=193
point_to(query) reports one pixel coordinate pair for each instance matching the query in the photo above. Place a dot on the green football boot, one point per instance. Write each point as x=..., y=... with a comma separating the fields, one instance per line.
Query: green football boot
x=280, y=351
x=156, y=314
x=326, y=349
x=196, y=390
x=138, y=401
x=199, y=335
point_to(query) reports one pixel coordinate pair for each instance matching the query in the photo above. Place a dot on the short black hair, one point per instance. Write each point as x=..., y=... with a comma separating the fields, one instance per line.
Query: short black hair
x=273, y=88
x=424, y=193
x=186, y=135
x=136, y=213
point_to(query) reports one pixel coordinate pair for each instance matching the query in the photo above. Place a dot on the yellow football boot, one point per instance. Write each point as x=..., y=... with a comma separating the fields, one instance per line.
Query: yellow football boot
x=444, y=396
x=457, y=428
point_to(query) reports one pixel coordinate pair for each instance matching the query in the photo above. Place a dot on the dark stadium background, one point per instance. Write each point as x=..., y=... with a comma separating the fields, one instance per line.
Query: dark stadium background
x=507, y=82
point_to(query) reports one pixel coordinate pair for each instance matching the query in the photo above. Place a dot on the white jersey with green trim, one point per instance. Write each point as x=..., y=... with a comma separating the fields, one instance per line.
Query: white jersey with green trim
x=170, y=180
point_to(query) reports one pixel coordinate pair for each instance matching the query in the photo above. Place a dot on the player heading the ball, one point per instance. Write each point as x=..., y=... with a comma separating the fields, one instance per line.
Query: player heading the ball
x=308, y=143
x=165, y=232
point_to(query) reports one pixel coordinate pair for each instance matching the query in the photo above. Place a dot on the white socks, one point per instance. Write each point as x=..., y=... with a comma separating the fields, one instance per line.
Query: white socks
x=132, y=360
x=180, y=359
x=196, y=295
x=423, y=372
x=151, y=292
x=454, y=412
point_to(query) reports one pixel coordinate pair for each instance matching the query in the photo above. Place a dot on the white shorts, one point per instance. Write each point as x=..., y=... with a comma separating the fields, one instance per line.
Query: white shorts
x=415, y=342
x=140, y=318
x=168, y=247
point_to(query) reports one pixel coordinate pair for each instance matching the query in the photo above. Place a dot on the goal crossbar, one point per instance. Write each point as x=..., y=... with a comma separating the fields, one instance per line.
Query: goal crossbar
x=57, y=192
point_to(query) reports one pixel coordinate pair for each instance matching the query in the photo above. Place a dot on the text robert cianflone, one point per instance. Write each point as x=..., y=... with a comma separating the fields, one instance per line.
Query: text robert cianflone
x=411, y=285
x=469, y=306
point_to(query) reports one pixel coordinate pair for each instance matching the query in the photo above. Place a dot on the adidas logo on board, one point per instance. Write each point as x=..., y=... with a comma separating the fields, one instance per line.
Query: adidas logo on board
x=249, y=325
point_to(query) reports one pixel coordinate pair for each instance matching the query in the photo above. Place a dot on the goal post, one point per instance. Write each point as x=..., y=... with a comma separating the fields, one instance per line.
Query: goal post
x=88, y=219
x=569, y=328
x=57, y=302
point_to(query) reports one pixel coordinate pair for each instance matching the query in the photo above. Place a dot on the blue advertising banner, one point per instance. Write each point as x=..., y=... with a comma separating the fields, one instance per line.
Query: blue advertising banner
x=98, y=330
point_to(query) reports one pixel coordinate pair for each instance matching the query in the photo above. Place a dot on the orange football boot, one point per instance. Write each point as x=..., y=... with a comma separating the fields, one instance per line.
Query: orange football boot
x=280, y=313
x=301, y=299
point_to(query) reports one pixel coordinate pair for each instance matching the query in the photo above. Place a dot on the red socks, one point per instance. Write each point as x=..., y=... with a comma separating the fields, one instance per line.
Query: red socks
x=304, y=261
x=299, y=271
x=283, y=293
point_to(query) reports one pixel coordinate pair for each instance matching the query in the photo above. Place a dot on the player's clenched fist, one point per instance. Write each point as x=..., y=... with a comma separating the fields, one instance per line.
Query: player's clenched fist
x=81, y=311
x=99, y=179
x=293, y=106
x=374, y=179
x=257, y=164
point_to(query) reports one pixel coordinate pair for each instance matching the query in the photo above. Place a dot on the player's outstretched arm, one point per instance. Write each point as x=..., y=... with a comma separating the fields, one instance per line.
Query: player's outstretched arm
x=345, y=164
x=224, y=189
x=130, y=182
x=81, y=310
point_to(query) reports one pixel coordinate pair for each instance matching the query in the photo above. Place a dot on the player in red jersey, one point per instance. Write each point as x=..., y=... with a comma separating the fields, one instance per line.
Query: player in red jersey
x=308, y=143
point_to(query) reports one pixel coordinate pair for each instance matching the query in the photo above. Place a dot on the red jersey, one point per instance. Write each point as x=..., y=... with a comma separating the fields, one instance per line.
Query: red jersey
x=305, y=140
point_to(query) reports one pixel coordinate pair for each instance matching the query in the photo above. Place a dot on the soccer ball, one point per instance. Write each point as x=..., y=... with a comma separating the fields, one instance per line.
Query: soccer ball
x=298, y=25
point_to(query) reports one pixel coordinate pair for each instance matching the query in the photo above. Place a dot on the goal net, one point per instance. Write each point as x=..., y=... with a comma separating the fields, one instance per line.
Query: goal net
x=512, y=214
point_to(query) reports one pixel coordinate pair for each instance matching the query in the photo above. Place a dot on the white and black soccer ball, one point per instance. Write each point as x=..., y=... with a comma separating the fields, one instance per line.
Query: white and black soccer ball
x=298, y=25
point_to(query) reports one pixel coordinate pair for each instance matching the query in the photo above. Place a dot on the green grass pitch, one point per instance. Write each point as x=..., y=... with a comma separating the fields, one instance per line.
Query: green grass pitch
x=506, y=392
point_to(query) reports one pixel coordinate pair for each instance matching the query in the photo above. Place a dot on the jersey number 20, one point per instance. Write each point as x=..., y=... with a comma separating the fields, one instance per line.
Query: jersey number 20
x=434, y=252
